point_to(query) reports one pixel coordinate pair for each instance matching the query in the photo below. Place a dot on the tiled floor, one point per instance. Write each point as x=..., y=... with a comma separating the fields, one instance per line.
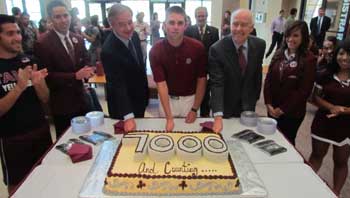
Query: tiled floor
x=303, y=142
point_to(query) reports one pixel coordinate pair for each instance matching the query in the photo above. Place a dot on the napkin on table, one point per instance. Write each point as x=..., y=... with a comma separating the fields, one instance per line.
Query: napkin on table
x=119, y=127
x=80, y=152
x=207, y=126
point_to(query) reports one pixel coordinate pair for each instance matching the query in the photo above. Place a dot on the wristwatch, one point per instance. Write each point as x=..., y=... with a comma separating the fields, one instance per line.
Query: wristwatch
x=194, y=110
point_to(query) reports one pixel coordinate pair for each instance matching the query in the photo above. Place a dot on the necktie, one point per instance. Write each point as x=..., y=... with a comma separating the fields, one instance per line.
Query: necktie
x=241, y=59
x=70, y=49
x=319, y=24
x=201, y=32
x=133, y=51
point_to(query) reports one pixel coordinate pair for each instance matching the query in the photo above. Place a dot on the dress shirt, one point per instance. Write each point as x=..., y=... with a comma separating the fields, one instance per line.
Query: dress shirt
x=63, y=41
x=277, y=25
x=319, y=23
x=204, y=29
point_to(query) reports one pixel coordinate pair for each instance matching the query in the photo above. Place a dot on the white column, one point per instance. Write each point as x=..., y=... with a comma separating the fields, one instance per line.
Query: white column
x=3, y=8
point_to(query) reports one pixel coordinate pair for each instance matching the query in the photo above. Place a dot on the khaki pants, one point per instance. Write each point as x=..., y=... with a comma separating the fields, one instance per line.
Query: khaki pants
x=179, y=106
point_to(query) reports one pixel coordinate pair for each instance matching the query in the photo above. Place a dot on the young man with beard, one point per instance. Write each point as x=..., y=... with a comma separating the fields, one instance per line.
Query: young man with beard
x=24, y=131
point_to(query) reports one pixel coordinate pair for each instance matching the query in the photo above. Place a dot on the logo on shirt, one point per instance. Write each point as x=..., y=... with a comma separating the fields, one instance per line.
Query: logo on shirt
x=25, y=60
x=293, y=64
x=188, y=61
x=75, y=40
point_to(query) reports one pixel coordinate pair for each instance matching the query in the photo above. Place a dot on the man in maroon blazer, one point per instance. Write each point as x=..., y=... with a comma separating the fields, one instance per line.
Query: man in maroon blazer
x=65, y=56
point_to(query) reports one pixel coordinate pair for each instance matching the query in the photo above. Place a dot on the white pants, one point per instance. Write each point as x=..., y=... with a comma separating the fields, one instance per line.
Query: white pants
x=179, y=106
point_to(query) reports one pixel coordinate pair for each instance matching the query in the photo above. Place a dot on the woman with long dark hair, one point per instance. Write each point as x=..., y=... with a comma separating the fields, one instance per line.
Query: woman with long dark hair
x=331, y=125
x=290, y=80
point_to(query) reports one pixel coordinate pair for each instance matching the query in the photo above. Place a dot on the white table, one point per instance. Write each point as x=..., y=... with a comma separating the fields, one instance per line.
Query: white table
x=284, y=175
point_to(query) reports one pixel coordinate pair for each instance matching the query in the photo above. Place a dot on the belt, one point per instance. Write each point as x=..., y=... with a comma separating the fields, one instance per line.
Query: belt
x=174, y=97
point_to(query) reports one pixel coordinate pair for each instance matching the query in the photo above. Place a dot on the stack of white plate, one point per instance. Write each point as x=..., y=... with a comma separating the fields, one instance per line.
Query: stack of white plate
x=96, y=118
x=249, y=118
x=80, y=125
x=267, y=125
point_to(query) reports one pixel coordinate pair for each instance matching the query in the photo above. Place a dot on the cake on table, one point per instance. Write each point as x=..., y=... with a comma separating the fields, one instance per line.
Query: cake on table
x=176, y=163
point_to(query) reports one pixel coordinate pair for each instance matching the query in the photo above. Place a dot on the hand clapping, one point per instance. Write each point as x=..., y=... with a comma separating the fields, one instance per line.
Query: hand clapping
x=85, y=72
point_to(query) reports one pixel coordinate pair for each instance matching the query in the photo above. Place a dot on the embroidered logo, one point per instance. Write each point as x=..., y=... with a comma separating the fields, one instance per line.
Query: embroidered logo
x=25, y=60
x=188, y=61
x=75, y=40
x=293, y=64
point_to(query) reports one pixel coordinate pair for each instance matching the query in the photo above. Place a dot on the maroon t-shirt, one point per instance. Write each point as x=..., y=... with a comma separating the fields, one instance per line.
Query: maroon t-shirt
x=179, y=66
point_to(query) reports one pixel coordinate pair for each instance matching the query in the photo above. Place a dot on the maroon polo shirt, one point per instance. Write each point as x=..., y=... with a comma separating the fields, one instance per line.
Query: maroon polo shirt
x=179, y=66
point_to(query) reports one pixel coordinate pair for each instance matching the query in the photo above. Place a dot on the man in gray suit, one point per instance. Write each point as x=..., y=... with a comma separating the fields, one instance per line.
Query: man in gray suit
x=235, y=70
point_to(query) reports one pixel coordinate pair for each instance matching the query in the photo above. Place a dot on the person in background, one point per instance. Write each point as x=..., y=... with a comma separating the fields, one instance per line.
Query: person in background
x=178, y=56
x=208, y=35
x=312, y=46
x=290, y=80
x=226, y=24
x=291, y=18
x=24, y=131
x=277, y=26
x=235, y=70
x=75, y=25
x=92, y=34
x=29, y=33
x=331, y=122
x=16, y=12
x=325, y=55
x=188, y=21
x=143, y=30
x=319, y=26
x=44, y=26
x=106, y=28
x=65, y=56
x=125, y=69
x=155, y=25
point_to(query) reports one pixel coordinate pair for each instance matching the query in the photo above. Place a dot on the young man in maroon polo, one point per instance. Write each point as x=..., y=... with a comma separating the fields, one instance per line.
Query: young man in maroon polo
x=178, y=66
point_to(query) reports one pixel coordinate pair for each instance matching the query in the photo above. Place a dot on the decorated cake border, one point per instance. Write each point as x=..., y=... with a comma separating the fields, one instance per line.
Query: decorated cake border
x=134, y=175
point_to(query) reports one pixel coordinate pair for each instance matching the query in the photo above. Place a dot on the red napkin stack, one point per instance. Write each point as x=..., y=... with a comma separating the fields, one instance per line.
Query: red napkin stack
x=119, y=127
x=80, y=152
x=207, y=126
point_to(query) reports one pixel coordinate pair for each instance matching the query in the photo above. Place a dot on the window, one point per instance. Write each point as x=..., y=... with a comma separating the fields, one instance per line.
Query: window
x=139, y=6
x=33, y=8
x=13, y=3
x=80, y=4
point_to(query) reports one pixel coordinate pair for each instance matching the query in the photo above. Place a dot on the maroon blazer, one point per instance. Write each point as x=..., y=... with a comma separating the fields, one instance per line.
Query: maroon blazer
x=67, y=95
x=291, y=90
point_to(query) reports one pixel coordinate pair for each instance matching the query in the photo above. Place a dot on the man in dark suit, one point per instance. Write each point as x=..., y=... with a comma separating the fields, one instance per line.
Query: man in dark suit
x=319, y=26
x=65, y=56
x=208, y=35
x=235, y=70
x=122, y=59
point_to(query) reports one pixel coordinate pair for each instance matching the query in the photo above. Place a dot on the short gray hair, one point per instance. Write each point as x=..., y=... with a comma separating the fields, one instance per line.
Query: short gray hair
x=116, y=9
x=200, y=8
x=235, y=12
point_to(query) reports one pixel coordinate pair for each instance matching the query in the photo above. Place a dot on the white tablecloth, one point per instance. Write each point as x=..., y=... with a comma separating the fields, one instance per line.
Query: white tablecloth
x=285, y=175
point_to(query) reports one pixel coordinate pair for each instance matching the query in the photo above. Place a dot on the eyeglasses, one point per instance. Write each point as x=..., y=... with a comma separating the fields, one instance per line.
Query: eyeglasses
x=243, y=25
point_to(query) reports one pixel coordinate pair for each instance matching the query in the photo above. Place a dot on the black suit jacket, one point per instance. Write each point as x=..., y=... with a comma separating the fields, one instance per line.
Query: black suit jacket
x=211, y=35
x=127, y=88
x=231, y=92
x=67, y=94
x=326, y=24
